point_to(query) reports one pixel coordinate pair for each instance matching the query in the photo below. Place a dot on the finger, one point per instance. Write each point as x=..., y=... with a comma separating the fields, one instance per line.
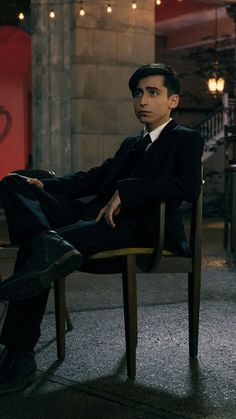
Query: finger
x=117, y=210
x=109, y=219
x=100, y=214
x=36, y=182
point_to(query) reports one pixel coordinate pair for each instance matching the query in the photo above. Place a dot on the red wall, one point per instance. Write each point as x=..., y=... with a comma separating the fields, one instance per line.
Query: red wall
x=173, y=8
x=15, y=89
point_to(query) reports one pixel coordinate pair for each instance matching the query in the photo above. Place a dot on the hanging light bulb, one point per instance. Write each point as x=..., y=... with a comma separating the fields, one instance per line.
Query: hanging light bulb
x=158, y=2
x=109, y=8
x=82, y=11
x=134, y=5
x=21, y=16
x=52, y=14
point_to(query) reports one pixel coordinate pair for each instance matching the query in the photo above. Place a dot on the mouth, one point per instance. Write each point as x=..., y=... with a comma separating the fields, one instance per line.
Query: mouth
x=144, y=113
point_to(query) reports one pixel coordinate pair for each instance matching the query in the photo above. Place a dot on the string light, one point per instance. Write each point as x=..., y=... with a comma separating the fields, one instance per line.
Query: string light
x=21, y=16
x=52, y=14
x=82, y=11
x=109, y=8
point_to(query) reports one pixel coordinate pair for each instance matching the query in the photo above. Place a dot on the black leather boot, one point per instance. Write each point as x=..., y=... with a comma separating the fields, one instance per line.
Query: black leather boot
x=51, y=257
x=17, y=371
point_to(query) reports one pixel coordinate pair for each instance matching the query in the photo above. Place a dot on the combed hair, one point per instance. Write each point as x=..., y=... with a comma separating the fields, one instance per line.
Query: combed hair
x=171, y=78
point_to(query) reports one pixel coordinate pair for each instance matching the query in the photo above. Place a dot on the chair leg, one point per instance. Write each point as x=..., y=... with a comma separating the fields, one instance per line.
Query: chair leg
x=226, y=209
x=130, y=313
x=194, y=283
x=69, y=324
x=233, y=212
x=60, y=313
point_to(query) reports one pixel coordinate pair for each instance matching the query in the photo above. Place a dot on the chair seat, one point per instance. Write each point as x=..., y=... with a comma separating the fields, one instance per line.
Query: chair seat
x=169, y=262
x=127, y=251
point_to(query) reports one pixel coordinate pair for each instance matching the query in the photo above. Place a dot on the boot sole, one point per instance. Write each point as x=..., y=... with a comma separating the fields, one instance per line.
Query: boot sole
x=21, y=387
x=27, y=286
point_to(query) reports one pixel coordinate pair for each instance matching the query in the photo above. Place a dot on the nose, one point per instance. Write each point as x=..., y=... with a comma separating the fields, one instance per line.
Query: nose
x=144, y=99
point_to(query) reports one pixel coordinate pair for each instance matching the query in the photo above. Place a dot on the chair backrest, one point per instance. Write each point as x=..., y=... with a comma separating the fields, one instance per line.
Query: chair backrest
x=161, y=262
x=230, y=144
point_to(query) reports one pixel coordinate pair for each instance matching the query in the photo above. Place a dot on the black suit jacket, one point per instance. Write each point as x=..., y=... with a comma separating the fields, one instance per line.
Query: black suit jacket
x=173, y=174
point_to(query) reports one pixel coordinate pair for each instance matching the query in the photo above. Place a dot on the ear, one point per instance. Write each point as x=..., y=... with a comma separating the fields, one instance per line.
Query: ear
x=174, y=101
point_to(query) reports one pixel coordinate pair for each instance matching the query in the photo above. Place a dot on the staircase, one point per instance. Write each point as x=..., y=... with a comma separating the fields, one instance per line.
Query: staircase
x=212, y=128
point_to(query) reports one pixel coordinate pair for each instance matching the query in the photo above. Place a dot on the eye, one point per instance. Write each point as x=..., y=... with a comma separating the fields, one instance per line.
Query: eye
x=137, y=93
x=153, y=92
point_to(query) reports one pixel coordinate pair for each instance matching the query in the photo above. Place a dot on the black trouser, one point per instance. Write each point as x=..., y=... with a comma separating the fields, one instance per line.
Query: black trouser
x=30, y=210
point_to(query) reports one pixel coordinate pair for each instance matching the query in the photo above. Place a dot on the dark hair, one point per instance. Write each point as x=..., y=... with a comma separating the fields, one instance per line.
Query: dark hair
x=171, y=78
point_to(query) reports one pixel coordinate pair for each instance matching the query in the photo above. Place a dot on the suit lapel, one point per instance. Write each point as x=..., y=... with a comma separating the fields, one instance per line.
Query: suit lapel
x=119, y=163
x=160, y=148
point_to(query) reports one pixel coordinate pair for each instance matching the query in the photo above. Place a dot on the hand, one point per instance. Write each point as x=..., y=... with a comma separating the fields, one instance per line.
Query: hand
x=110, y=210
x=31, y=180
x=36, y=182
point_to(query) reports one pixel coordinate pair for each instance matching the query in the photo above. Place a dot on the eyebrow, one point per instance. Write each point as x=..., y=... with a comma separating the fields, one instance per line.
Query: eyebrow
x=148, y=88
x=152, y=88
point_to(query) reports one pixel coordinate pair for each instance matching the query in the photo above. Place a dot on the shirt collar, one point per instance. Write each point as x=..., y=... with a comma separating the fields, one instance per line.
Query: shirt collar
x=156, y=132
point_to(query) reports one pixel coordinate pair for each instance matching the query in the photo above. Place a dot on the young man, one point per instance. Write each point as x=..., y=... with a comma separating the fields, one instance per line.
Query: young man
x=163, y=163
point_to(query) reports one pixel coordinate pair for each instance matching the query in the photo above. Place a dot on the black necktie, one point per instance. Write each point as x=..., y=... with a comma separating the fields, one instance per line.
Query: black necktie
x=144, y=143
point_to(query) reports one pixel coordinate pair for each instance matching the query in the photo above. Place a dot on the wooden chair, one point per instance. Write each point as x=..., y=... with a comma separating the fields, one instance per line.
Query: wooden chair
x=8, y=253
x=130, y=261
x=230, y=186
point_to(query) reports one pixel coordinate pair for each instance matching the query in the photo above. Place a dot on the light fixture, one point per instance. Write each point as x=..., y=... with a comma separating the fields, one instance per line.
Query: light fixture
x=134, y=5
x=52, y=14
x=82, y=11
x=216, y=85
x=216, y=82
x=21, y=16
x=158, y=2
x=109, y=8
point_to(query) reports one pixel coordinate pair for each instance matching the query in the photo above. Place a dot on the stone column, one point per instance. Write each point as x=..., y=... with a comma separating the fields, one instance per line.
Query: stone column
x=82, y=108
x=108, y=47
x=51, y=90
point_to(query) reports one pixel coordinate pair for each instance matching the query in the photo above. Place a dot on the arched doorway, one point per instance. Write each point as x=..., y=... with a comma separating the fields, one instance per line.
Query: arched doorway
x=15, y=99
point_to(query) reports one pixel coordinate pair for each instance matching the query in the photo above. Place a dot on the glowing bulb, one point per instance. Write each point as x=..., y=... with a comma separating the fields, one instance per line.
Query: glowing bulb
x=212, y=85
x=134, y=5
x=109, y=8
x=21, y=16
x=216, y=85
x=52, y=14
x=158, y=2
x=220, y=84
x=82, y=12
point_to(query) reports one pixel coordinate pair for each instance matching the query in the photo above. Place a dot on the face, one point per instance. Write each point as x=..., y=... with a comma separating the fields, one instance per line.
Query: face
x=152, y=105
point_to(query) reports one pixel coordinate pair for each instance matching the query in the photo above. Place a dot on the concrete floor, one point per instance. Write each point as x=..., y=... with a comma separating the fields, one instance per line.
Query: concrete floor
x=91, y=383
